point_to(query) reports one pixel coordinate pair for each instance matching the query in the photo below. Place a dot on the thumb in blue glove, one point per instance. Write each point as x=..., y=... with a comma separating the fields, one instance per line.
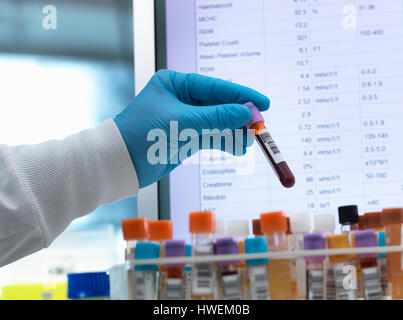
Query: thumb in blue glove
x=172, y=106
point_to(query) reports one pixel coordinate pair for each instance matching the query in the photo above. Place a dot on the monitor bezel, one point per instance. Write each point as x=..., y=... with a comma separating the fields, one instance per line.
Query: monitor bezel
x=164, y=206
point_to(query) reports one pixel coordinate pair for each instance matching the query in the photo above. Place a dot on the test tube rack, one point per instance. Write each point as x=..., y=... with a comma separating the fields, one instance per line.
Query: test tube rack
x=271, y=255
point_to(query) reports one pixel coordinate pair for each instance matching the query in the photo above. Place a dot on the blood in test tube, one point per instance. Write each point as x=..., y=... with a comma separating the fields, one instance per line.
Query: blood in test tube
x=269, y=147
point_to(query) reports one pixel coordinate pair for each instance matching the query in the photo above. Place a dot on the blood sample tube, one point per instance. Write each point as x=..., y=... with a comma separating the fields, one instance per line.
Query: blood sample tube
x=274, y=226
x=293, y=262
x=228, y=279
x=349, y=218
x=146, y=275
x=202, y=228
x=187, y=275
x=134, y=230
x=373, y=220
x=362, y=223
x=269, y=147
x=257, y=231
x=325, y=223
x=174, y=282
x=221, y=231
x=256, y=270
x=392, y=219
x=239, y=230
x=160, y=231
x=369, y=266
x=315, y=272
x=343, y=265
x=383, y=268
x=299, y=224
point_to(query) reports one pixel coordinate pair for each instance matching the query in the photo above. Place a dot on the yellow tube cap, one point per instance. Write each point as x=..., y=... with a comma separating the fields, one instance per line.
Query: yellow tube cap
x=339, y=241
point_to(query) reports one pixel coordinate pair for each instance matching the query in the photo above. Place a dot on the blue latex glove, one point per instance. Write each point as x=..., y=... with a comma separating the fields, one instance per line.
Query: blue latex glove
x=195, y=102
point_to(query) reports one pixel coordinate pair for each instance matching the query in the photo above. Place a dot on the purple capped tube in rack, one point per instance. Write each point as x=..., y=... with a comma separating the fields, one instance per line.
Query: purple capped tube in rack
x=227, y=246
x=175, y=248
x=314, y=241
x=365, y=238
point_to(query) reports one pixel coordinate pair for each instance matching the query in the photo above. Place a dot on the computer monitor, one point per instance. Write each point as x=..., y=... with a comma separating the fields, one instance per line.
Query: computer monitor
x=334, y=73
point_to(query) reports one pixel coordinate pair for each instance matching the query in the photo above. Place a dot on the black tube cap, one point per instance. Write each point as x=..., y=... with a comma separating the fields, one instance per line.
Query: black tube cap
x=348, y=215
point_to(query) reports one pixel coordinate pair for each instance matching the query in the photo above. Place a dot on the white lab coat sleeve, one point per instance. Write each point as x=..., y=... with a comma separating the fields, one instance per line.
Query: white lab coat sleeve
x=44, y=187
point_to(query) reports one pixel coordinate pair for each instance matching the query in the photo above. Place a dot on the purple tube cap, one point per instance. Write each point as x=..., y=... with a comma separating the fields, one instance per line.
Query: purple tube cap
x=256, y=115
x=226, y=246
x=175, y=248
x=365, y=238
x=314, y=241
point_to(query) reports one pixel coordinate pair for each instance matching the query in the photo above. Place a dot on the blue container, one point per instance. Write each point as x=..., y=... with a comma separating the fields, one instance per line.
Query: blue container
x=88, y=285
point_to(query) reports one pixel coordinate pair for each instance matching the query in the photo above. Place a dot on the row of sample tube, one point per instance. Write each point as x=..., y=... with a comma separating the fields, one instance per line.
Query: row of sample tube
x=370, y=276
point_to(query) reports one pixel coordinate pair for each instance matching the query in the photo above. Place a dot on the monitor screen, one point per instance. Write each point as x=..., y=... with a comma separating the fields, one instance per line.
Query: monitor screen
x=333, y=70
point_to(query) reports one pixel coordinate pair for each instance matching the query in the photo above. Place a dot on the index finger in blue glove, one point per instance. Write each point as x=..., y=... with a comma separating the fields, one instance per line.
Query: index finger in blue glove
x=202, y=90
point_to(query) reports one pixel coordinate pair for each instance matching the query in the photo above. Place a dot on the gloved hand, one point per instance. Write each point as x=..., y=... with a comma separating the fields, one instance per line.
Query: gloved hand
x=195, y=102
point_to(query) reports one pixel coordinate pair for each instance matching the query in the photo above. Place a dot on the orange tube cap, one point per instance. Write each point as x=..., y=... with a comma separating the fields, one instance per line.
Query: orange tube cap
x=135, y=229
x=392, y=216
x=362, y=223
x=273, y=222
x=160, y=230
x=202, y=222
x=373, y=220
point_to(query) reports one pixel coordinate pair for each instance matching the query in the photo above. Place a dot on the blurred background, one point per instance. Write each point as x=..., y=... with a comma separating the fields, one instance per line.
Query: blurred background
x=58, y=77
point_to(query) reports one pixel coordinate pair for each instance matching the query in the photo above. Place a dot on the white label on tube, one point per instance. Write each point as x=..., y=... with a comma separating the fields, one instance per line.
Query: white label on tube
x=271, y=146
x=372, y=285
x=174, y=289
x=259, y=283
x=203, y=272
x=231, y=287
x=315, y=284
x=383, y=276
x=330, y=282
x=145, y=285
x=187, y=284
x=343, y=290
